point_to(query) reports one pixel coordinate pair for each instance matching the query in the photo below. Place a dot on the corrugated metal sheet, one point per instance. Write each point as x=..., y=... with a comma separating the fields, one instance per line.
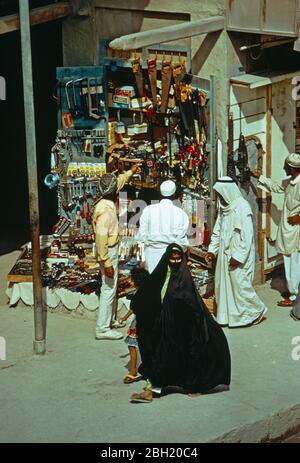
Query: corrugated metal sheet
x=276, y=17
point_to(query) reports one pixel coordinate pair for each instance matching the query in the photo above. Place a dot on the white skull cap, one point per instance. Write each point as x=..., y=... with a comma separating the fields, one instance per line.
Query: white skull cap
x=293, y=160
x=167, y=188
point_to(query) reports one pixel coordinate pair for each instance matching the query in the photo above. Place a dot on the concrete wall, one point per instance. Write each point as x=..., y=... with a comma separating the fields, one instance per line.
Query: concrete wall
x=283, y=140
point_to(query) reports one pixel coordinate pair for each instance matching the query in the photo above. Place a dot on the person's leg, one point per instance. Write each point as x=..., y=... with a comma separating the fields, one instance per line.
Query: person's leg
x=133, y=360
x=295, y=312
x=105, y=303
x=115, y=263
x=288, y=301
x=108, y=296
x=294, y=277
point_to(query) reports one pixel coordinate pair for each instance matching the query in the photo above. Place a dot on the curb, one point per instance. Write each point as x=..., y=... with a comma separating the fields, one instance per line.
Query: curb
x=274, y=428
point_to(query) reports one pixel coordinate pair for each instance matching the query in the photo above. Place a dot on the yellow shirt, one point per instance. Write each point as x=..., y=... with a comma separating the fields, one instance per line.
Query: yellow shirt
x=106, y=225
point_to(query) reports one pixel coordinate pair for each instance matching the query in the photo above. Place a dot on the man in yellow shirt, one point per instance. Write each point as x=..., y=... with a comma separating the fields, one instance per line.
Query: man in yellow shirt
x=106, y=228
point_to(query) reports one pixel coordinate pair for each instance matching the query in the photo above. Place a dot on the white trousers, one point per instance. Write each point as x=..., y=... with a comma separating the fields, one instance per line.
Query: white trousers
x=153, y=256
x=292, y=273
x=108, y=295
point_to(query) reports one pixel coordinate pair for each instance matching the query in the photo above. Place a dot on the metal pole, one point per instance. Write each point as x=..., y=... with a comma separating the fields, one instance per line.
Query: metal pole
x=213, y=157
x=39, y=343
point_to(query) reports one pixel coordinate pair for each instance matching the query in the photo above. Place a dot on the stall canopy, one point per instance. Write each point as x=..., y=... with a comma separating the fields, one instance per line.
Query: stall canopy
x=168, y=34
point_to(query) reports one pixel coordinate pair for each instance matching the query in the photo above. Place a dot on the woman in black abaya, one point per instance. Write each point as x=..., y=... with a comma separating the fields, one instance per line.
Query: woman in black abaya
x=180, y=343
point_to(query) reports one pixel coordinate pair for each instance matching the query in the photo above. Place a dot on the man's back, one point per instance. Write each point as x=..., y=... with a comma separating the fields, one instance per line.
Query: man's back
x=164, y=223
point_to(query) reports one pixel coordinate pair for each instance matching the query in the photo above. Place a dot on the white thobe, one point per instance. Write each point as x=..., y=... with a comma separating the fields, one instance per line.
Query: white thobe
x=237, y=302
x=160, y=225
x=288, y=236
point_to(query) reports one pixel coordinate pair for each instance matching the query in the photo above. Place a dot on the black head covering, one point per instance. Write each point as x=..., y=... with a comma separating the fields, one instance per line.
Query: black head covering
x=180, y=342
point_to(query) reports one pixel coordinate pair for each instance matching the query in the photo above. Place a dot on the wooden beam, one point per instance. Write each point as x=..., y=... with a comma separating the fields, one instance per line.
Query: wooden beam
x=168, y=33
x=37, y=16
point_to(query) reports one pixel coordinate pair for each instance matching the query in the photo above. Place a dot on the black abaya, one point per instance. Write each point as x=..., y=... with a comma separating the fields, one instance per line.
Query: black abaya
x=179, y=341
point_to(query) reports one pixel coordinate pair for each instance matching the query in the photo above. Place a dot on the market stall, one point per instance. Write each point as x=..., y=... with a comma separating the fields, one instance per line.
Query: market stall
x=141, y=106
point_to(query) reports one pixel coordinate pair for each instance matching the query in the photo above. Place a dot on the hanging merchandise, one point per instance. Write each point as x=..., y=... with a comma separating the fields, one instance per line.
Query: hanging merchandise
x=153, y=80
x=95, y=104
x=242, y=162
x=166, y=76
x=183, y=92
x=178, y=70
x=120, y=129
x=231, y=169
x=199, y=102
x=137, y=71
x=145, y=110
x=67, y=115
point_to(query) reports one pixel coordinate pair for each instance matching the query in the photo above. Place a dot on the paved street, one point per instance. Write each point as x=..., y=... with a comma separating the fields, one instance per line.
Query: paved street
x=75, y=392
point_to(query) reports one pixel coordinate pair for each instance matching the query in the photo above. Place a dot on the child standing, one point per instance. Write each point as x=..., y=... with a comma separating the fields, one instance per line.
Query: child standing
x=137, y=275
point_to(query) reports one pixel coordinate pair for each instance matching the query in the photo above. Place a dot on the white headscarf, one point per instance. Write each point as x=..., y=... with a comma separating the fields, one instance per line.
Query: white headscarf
x=228, y=189
x=237, y=207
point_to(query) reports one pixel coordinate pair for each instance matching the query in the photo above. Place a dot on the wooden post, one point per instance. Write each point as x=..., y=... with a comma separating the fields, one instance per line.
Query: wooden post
x=268, y=156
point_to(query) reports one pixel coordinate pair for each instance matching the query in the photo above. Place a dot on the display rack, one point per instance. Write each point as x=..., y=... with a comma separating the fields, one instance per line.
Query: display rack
x=142, y=106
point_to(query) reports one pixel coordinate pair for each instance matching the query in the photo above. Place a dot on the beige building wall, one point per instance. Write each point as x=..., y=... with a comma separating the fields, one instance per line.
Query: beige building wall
x=109, y=19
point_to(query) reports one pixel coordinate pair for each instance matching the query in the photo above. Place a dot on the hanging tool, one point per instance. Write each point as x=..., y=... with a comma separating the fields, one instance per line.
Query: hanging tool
x=166, y=76
x=178, y=70
x=77, y=110
x=93, y=99
x=231, y=170
x=67, y=116
x=153, y=80
x=242, y=162
x=138, y=73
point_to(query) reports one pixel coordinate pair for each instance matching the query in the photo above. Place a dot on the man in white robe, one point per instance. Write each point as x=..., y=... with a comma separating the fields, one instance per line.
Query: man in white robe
x=232, y=243
x=163, y=224
x=288, y=235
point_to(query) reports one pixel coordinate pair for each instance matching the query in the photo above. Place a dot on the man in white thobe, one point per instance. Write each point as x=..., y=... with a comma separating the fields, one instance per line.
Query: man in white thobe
x=233, y=243
x=288, y=235
x=162, y=224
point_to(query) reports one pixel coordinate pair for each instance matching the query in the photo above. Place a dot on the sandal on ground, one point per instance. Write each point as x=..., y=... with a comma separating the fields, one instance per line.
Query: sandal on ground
x=260, y=319
x=285, y=303
x=132, y=378
x=294, y=316
x=143, y=397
